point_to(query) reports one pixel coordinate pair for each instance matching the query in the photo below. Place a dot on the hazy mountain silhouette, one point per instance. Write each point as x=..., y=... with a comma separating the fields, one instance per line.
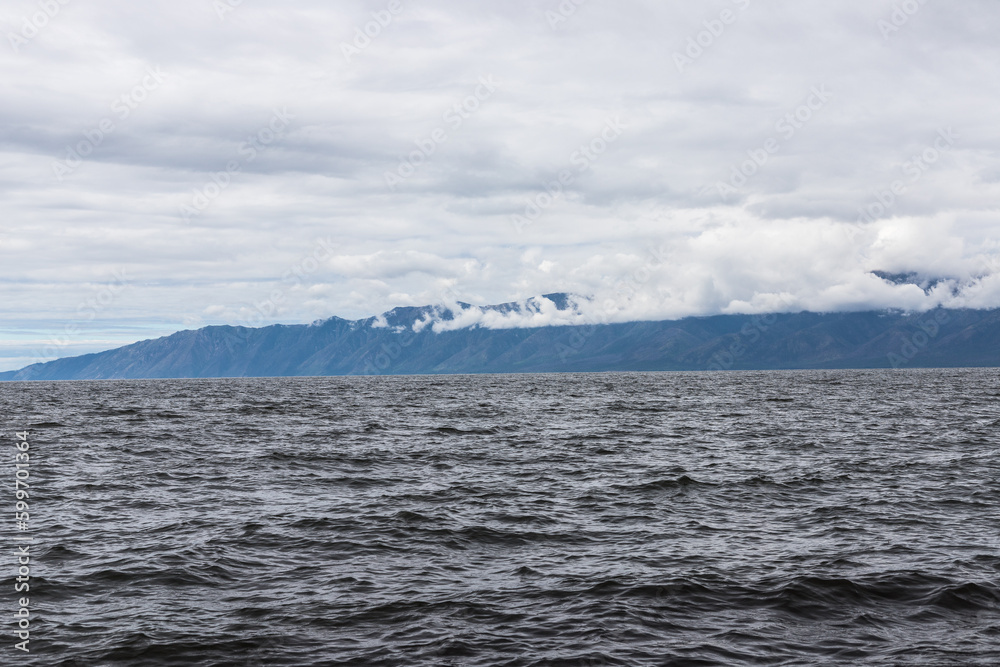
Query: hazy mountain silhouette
x=388, y=345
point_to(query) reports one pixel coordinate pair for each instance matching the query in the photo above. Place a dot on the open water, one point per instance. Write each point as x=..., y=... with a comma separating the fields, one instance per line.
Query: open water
x=772, y=518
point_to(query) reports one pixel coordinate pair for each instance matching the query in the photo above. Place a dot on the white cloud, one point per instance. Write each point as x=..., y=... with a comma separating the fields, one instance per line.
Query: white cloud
x=788, y=237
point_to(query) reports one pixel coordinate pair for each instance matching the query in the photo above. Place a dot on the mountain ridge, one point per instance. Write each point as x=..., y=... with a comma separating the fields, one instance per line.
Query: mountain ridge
x=402, y=341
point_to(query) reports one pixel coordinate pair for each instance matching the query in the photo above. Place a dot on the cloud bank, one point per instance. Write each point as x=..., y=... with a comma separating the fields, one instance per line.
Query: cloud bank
x=258, y=162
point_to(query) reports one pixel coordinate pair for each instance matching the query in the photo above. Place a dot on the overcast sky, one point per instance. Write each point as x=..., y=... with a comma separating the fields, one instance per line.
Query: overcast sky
x=181, y=163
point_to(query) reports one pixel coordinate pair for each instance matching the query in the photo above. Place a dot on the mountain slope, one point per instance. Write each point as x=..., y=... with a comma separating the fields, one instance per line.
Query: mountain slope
x=388, y=345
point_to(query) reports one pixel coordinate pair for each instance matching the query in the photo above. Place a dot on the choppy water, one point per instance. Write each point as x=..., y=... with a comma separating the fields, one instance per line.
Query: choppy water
x=797, y=518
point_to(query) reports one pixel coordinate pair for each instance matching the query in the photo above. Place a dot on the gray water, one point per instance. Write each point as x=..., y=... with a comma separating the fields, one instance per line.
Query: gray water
x=774, y=518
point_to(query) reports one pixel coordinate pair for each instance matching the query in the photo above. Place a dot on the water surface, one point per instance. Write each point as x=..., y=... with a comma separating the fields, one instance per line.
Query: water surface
x=773, y=518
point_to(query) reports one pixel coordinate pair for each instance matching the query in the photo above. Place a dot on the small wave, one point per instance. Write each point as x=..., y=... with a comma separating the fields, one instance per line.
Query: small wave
x=682, y=482
x=449, y=430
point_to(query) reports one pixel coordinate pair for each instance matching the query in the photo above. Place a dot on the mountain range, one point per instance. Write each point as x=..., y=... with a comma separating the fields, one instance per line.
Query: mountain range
x=402, y=342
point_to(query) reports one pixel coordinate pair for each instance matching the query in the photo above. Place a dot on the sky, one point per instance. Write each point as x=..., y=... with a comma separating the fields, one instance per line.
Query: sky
x=195, y=162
